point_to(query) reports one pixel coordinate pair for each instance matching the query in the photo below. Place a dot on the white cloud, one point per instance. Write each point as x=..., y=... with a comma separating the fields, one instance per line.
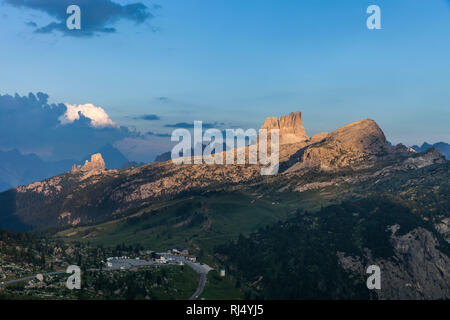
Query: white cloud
x=99, y=118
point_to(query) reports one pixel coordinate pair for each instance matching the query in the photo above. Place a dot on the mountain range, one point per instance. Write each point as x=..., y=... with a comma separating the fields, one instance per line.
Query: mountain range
x=341, y=201
x=21, y=169
x=443, y=147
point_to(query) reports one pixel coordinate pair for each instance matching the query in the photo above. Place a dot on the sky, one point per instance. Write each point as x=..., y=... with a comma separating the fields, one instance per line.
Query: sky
x=140, y=68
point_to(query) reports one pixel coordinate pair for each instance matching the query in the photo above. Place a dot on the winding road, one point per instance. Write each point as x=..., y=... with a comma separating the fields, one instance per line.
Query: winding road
x=201, y=286
x=200, y=268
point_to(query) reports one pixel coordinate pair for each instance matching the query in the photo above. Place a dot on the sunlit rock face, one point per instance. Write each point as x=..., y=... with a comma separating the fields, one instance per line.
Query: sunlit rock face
x=290, y=126
x=96, y=164
x=358, y=145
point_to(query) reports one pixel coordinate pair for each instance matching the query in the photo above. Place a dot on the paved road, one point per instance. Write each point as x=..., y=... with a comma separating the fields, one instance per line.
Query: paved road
x=29, y=278
x=200, y=268
x=201, y=286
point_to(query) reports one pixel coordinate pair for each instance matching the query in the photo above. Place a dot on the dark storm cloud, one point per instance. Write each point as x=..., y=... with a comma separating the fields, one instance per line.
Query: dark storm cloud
x=97, y=16
x=156, y=134
x=148, y=117
x=185, y=125
x=31, y=123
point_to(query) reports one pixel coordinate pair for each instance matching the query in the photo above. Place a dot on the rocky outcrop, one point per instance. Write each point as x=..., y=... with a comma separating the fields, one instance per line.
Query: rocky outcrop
x=443, y=227
x=290, y=126
x=357, y=144
x=413, y=161
x=96, y=164
x=318, y=137
x=426, y=158
x=66, y=218
x=443, y=147
x=418, y=270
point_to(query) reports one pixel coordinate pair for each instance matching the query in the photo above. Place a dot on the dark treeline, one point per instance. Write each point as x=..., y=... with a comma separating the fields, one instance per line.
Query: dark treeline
x=297, y=259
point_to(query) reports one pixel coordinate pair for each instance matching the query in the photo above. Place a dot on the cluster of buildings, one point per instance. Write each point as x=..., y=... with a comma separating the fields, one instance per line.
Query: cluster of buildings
x=153, y=257
x=183, y=252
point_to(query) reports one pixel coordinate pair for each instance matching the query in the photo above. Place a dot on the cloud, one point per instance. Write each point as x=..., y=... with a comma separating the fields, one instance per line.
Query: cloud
x=97, y=16
x=31, y=123
x=99, y=118
x=148, y=117
x=185, y=125
x=156, y=134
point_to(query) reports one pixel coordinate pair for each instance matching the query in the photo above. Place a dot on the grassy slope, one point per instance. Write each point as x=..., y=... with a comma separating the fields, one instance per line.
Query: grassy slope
x=194, y=221
x=227, y=287
x=222, y=218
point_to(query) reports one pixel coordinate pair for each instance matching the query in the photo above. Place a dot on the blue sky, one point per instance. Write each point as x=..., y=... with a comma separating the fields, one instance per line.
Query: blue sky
x=238, y=62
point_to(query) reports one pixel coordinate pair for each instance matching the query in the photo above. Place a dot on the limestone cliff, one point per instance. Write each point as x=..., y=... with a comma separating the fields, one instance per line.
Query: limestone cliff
x=96, y=164
x=356, y=144
x=290, y=126
x=417, y=270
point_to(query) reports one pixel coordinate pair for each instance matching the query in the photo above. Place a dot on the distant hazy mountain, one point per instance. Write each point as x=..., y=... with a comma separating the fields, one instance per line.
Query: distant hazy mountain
x=163, y=157
x=114, y=159
x=19, y=169
x=166, y=156
x=443, y=147
x=132, y=164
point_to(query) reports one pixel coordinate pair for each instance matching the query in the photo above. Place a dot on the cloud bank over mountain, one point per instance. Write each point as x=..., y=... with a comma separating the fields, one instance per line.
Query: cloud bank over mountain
x=56, y=131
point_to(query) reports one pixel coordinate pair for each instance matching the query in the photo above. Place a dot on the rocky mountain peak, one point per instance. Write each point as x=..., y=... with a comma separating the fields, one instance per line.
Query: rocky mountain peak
x=364, y=135
x=290, y=126
x=426, y=158
x=357, y=144
x=96, y=164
